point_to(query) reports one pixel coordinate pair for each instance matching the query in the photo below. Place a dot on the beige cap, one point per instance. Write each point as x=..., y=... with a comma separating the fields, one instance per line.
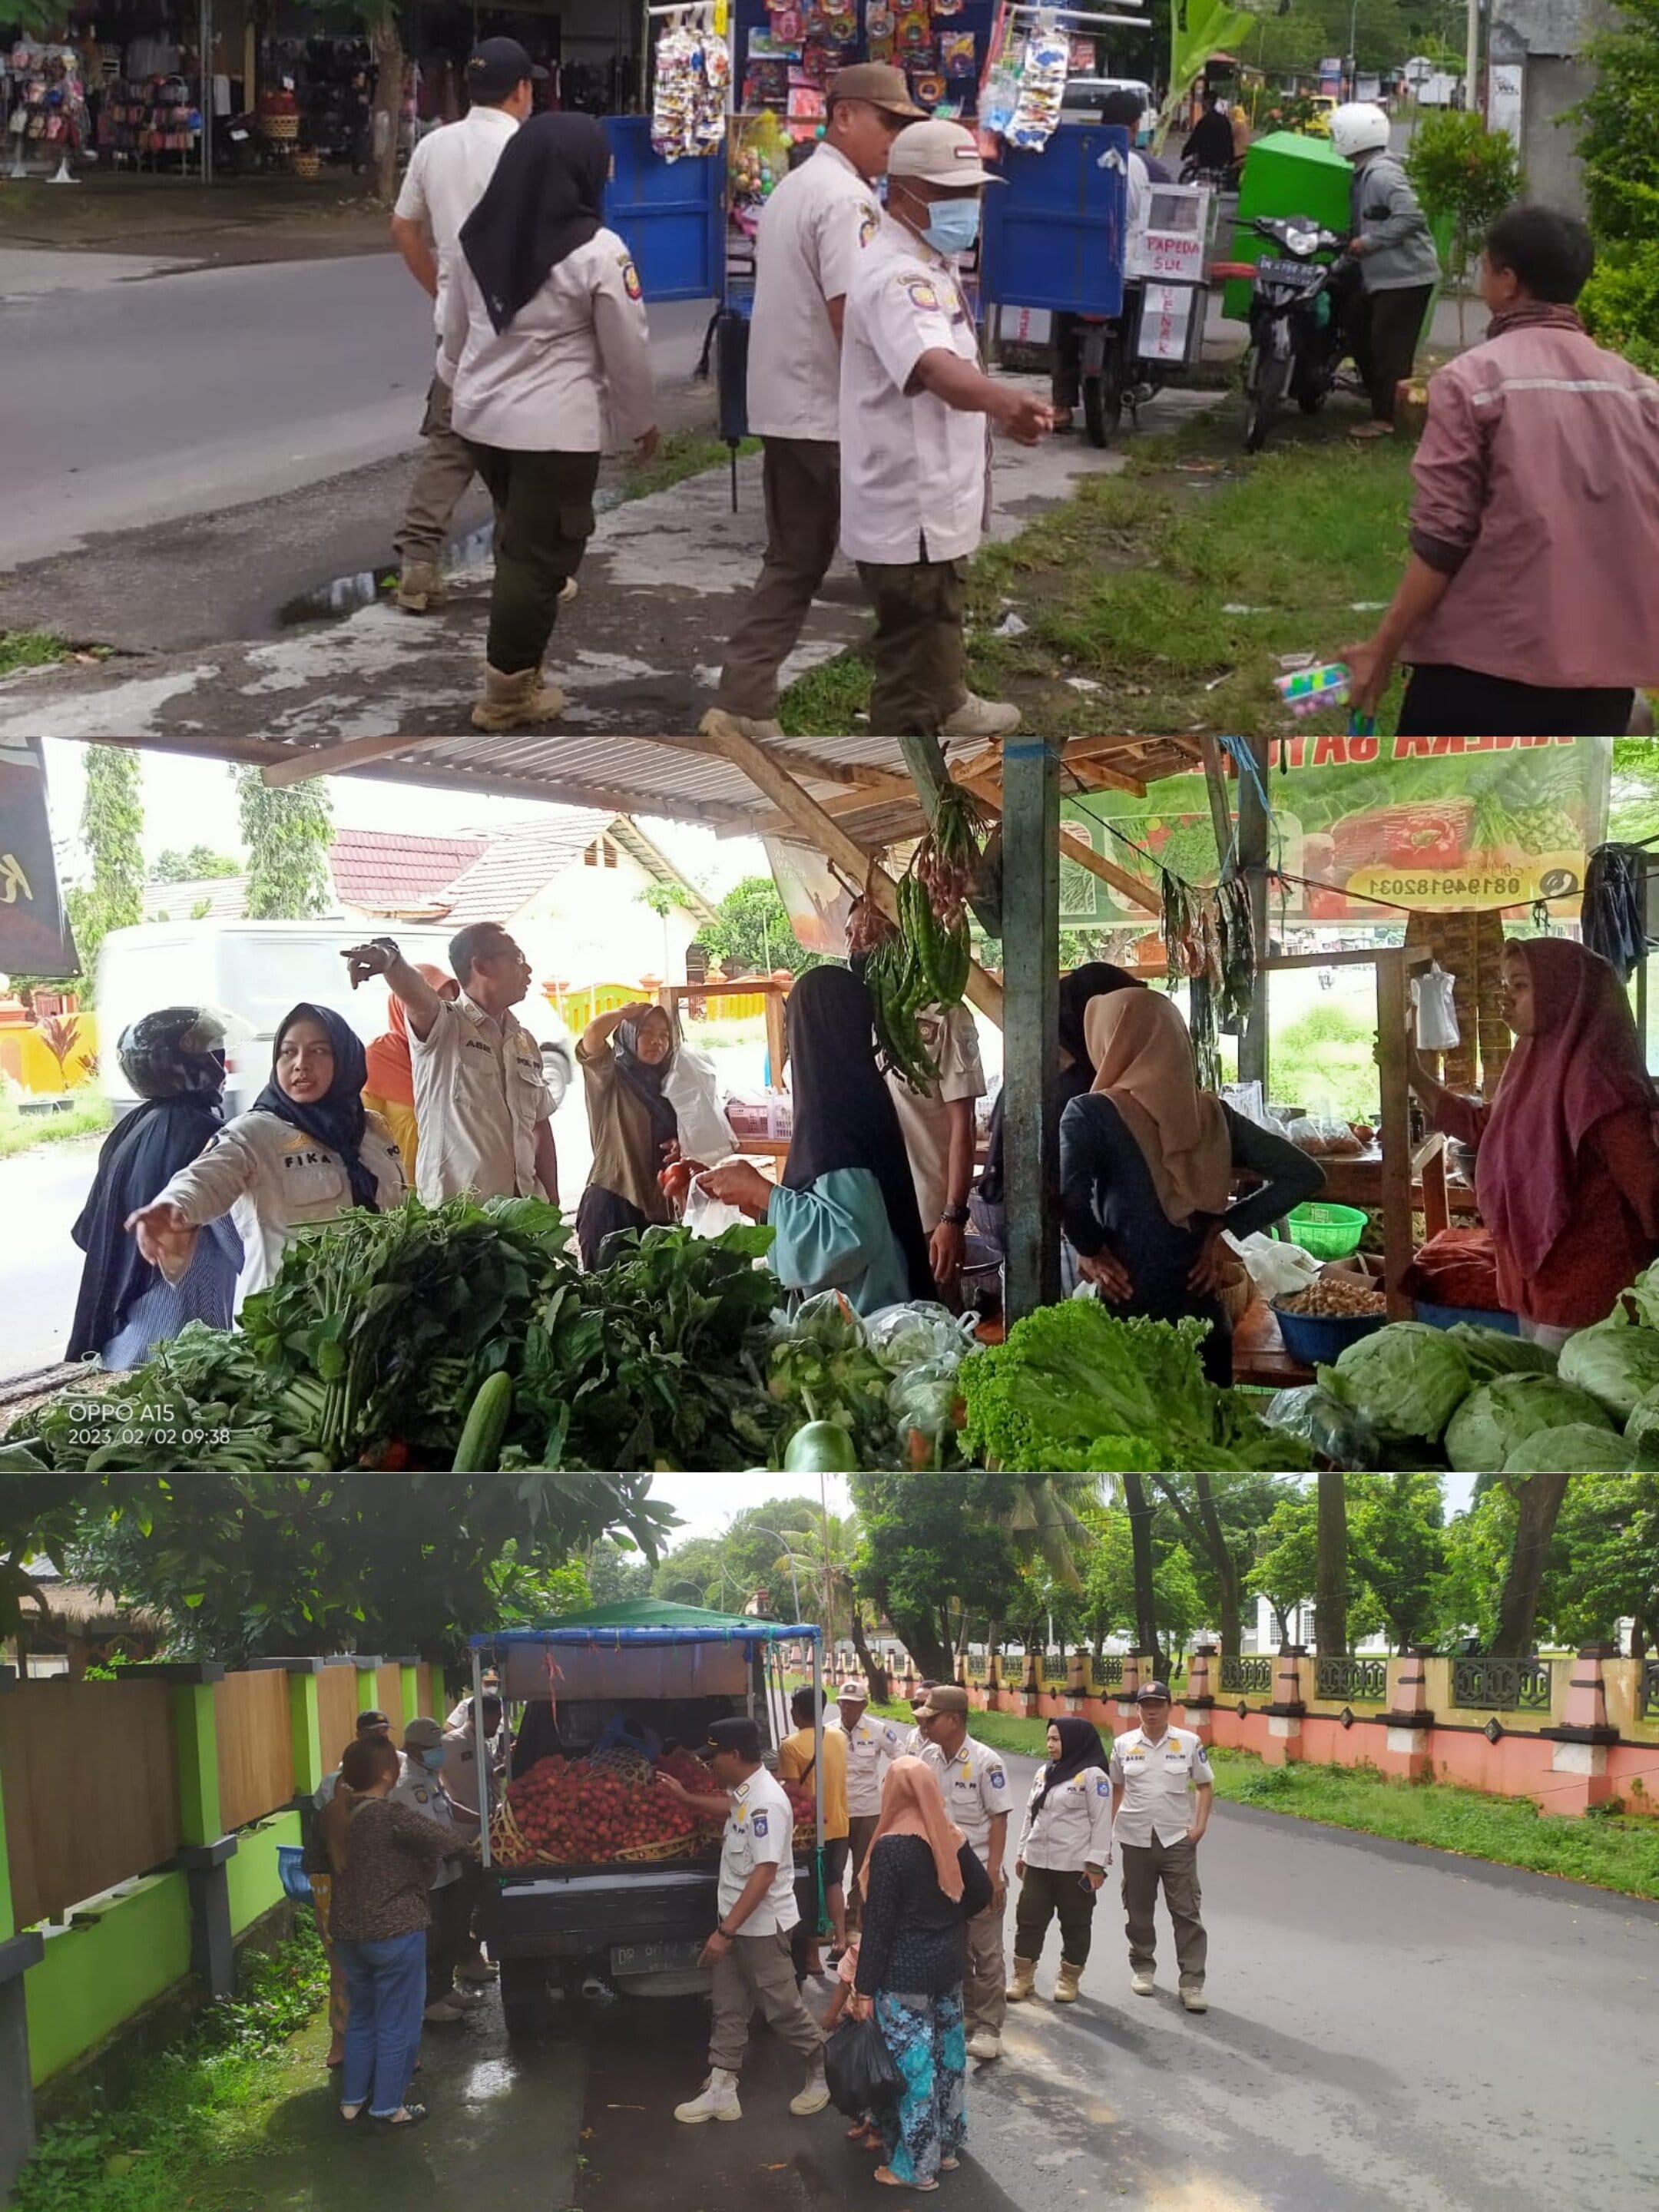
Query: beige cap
x=939, y=153
x=878, y=83
x=852, y=1692
x=948, y=1698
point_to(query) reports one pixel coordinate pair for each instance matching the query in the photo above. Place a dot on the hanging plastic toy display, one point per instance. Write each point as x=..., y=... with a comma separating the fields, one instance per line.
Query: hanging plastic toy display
x=689, y=93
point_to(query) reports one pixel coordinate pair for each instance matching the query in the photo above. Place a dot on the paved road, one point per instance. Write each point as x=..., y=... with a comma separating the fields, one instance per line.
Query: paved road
x=1391, y=2031
x=41, y=1192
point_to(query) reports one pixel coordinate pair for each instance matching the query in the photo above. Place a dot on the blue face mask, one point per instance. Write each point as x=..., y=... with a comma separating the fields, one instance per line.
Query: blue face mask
x=953, y=225
x=432, y=1760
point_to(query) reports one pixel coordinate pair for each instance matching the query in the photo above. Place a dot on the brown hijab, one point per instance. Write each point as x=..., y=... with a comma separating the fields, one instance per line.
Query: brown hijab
x=1143, y=1057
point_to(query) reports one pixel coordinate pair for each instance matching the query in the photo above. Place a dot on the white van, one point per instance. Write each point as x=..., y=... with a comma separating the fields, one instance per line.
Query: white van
x=1081, y=99
x=251, y=973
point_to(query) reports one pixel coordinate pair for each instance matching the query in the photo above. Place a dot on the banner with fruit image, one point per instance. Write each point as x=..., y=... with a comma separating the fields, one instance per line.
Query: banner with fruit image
x=1373, y=824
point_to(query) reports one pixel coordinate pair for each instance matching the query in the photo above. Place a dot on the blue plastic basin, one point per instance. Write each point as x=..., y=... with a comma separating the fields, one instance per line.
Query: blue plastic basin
x=1509, y=1324
x=1316, y=1339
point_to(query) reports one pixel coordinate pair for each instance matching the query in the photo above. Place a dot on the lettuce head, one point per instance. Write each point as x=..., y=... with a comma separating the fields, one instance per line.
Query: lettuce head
x=1493, y=1420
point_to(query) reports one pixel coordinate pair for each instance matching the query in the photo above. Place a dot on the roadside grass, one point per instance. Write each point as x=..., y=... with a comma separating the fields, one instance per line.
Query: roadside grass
x=30, y=648
x=1607, y=1850
x=195, y=2111
x=22, y=1133
x=1159, y=599
x=681, y=453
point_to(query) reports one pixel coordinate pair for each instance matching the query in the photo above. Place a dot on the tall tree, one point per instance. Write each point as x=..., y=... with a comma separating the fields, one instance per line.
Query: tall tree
x=1221, y=1517
x=752, y=932
x=1110, y=1603
x=1287, y=1570
x=1141, y=1511
x=112, y=828
x=931, y=1544
x=1397, y=1546
x=1043, y=1522
x=1604, y=1562
x=1538, y=1502
x=1331, y=1582
x=287, y=834
x=178, y=866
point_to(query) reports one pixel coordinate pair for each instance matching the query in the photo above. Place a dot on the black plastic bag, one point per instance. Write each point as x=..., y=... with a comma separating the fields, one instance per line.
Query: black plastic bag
x=860, y=2069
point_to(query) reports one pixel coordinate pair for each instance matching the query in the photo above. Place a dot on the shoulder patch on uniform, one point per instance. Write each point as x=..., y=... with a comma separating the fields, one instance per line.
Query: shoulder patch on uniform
x=758, y=1824
x=870, y=225
x=1103, y=1787
x=630, y=276
x=924, y=294
x=999, y=1779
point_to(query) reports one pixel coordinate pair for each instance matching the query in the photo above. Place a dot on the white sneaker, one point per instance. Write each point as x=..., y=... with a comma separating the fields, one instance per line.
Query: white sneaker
x=1143, y=1985
x=985, y=2044
x=717, y=2101
x=1195, y=2001
x=717, y=723
x=445, y=2009
x=981, y=718
x=814, y=2097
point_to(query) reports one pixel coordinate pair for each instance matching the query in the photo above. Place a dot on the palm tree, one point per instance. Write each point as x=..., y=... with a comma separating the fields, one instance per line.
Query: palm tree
x=825, y=1555
x=1043, y=1522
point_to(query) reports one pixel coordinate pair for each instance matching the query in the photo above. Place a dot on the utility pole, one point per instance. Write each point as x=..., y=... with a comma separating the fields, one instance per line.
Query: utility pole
x=1473, y=103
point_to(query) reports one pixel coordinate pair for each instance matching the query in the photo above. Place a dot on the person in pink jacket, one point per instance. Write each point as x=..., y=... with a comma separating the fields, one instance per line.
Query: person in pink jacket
x=1529, y=606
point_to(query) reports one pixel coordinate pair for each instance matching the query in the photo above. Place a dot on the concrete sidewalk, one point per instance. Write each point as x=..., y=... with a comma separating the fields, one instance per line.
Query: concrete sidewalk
x=665, y=578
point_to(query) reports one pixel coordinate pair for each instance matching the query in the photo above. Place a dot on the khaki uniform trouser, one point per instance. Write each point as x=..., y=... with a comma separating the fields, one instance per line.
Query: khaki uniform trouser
x=801, y=479
x=1176, y=1866
x=985, y=1985
x=443, y=473
x=860, y=1834
x=339, y=2004
x=918, y=648
x=758, y=1974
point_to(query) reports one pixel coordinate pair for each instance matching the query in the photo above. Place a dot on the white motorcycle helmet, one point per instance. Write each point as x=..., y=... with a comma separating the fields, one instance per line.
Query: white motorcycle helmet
x=1359, y=127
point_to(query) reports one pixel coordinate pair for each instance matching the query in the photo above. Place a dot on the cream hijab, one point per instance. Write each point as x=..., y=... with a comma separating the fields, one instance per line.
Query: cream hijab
x=913, y=1804
x=1143, y=1057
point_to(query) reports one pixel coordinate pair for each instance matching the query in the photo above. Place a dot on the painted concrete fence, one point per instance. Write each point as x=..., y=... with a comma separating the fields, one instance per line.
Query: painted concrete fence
x=1570, y=1733
x=140, y=1820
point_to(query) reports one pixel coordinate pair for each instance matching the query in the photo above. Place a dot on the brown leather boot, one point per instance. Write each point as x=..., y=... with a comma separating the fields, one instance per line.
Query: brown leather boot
x=1066, y=1986
x=1024, y=1985
x=515, y=702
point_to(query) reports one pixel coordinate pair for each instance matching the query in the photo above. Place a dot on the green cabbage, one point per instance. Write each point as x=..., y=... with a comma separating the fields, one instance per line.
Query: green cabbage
x=1407, y=1380
x=1641, y=1429
x=1490, y=1352
x=1493, y=1420
x=1614, y=1363
x=1578, y=1448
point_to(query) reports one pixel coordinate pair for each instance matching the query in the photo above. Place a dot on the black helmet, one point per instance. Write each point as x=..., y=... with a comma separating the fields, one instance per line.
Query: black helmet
x=176, y=1052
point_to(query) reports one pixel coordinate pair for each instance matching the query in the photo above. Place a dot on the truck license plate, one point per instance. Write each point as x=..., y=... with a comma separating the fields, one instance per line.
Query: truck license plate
x=655, y=1958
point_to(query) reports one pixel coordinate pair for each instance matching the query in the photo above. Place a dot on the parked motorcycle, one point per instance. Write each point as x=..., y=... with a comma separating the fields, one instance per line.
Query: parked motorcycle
x=1296, y=320
x=1112, y=374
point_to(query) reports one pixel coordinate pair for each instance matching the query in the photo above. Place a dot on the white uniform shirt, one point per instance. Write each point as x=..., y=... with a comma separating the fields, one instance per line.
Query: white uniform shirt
x=1158, y=1781
x=871, y=1746
x=419, y=1787
x=478, y=1098
x=1074, y=1827
x=976, y=1786
x=446, y=177
x=759, y=1832
x=952, y=1043
x=570, y=374
x=811, y=234
x=914, y=473
x=272, y=1179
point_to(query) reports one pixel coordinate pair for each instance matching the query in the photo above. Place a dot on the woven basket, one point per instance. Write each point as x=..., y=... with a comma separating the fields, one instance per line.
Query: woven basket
x=622, y=1764
x=283, y=130
x=308, y=165
x=805, y=1836
x=672, y=1847
x=507, y=1841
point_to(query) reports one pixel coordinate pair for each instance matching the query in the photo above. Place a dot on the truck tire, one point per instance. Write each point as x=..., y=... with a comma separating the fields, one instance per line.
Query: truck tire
x=526, y=2006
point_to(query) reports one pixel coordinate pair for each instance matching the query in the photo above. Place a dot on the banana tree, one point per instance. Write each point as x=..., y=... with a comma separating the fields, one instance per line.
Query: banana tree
x=1198, y=29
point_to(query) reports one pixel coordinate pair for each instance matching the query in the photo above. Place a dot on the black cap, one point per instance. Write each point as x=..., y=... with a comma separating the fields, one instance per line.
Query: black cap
x=495, y=69
x=1153, y=1690
x=739, y=1736
x=372, y=1717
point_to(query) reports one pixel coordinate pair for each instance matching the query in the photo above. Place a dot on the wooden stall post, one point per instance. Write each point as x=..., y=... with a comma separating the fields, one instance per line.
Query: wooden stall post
x=1252, y=866
x=17, y=1954
x=777, y=1044
x=1391, y=1002
x=1030, y=968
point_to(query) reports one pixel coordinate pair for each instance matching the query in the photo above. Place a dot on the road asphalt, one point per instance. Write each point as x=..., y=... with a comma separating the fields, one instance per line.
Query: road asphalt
x=1391, y=2030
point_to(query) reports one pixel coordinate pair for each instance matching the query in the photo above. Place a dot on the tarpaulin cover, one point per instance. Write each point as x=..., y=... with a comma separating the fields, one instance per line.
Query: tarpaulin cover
x=647, y=1649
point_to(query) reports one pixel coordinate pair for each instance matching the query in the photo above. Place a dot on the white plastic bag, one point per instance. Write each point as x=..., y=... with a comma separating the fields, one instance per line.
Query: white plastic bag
x=1435, y=1009
x=709, y=1216
x=692, y=1089
x=1277, y=1270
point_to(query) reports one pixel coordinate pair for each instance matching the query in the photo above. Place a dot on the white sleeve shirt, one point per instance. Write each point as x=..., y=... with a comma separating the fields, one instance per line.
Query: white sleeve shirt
x=446, y=177
x=760, y=1831
x=871, y=1746
x=419, y=1787
x=952, y=1043
x=1158, y=1780
x=479, y=1095
x=915, y=474
x=1073, y=1829
x=976, y=1786
x=812, y=234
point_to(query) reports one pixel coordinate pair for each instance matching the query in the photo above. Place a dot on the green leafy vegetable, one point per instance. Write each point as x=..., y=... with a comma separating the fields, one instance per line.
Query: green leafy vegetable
x=1407, y=1380
x=1580, y=1447
x=1616, y=1364
x=1490, y=1352
x=1493, y=1420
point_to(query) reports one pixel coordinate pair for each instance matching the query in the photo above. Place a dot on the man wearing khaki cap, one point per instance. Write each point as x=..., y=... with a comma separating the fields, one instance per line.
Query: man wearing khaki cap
x=916, y=412
x=812, y=232
x=975, y=1781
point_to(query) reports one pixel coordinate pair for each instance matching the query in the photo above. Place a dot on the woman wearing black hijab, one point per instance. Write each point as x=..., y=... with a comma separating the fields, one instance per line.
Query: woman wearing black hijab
x=174, y=1061
x=546, y=354
x=306, y=1152
x=845, y=1207
x=1064, y=1848
x=624, y=1058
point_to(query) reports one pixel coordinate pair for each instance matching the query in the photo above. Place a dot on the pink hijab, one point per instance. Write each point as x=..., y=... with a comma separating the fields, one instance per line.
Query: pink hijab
x=1582, y=1062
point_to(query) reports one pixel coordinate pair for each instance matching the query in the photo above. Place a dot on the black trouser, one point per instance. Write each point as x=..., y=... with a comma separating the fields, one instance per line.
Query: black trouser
x=447, y=1938
x=1444, y=701
x=543, y=520
x=1047, y=1894
x=602, y=1218
x=1382, y=332
x=919, y=648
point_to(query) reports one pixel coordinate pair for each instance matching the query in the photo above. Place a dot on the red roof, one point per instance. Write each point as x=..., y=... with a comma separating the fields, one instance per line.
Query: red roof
x=381, y=873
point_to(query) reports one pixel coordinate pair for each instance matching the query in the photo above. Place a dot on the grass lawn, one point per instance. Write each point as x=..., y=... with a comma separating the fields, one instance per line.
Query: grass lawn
x=196, y=2110
x=30, y=648
x=22, y=1133
x=681, y=453
x=1169, y=590
x=1608, y=1850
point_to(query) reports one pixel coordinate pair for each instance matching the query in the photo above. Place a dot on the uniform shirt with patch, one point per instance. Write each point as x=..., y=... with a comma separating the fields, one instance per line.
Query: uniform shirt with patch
x=423, y=1792
x=1074, y=1830
x=976, y=1786
x=445, y=178
x=871, y=1746
x=915, y=474
x=1158, y=1780
x=759, y=1832
x=952, y=1043
x=812, y=234
x=570, y=374
x=479, y=1095
x=272, y=1179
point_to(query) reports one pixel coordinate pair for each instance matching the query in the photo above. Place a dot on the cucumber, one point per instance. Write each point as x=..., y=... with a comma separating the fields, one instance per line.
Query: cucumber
x=486, y=1425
